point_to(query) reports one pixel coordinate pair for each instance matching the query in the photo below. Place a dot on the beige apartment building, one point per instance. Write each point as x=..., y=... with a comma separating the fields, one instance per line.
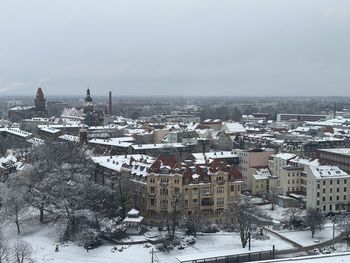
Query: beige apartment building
x=185, y=188
x=250, y=159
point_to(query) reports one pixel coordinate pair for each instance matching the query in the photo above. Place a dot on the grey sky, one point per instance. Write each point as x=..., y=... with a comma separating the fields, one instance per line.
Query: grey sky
x=177, y=47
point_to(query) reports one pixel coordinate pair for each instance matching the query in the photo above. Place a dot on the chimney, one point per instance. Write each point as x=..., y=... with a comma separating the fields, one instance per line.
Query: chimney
x=110, y=104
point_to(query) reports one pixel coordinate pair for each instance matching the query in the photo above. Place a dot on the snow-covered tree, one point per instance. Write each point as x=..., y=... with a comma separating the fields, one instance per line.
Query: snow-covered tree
x=4, y=249
x=13, y=201
x=22, y=251
x=293, y=216
x=192, y=224
x=314, y=220
x=244, y=219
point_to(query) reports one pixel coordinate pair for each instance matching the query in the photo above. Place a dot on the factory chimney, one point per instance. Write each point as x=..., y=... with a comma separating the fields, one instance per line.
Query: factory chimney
x=110, y=104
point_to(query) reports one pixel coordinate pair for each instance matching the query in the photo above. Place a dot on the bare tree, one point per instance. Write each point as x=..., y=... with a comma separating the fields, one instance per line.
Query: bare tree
x=273, y=196
x=292, y=215
x=244, y=219
x=123, y=190
x=22, y=251
x=13, y=202
x=4, y=249
x=176, y=204
x=314, y=220
x=192, y=224
x=343, y=224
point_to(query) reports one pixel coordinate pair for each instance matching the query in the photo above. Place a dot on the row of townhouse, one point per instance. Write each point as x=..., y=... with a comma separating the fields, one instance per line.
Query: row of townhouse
x=163, y=187
x=172, y=188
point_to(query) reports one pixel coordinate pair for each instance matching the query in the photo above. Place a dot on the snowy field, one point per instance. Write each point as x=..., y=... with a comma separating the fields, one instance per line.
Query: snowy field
x=42, y=239
x=304, y=237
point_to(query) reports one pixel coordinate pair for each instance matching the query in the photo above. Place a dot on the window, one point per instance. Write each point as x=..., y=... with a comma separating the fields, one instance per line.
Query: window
x=164, y=180
x=318, y=186
x=323, y=199
x=153, y=203
x=318, y=194
x=164, y=191
x=330, y=198
x=330, y=181
x=324, y=190
x=318, y=202
x=195, y=191
x=206, y=212
x=176, y=180
x=344, y=197
x=337, y=197
x=153, y=189
x=324, y=182
x=206, y=191
x=338, y=181
x=195, y=202
x=186, y=203
x=220, y=190
x=220, y=179
x=220, y=202
x=331, y=190
x=344, y=189
x=151, y=180
x=337, y=189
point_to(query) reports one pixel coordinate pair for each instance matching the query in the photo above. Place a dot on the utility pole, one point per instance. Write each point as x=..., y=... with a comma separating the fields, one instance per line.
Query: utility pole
x=333, y=233
x=152, y=255
x=249, y=241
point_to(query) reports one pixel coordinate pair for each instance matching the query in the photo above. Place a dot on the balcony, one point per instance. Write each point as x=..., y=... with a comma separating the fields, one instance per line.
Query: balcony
x=221, y=182
x=207, y=202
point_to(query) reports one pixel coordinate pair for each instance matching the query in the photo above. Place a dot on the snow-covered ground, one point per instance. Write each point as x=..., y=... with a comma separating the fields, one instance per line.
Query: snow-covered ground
x=334, y=258
x=43, y=240
x=304, y=237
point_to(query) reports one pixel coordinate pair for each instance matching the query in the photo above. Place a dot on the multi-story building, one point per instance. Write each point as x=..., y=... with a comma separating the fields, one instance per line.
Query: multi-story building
x=300, y=117
x=250, y=159
x=337, y=156
x=171, y=188
x=328, y=188
x=19, y=113
x=261, y=177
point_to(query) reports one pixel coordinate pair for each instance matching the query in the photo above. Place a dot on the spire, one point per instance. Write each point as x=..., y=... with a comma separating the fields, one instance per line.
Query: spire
x=88, y=97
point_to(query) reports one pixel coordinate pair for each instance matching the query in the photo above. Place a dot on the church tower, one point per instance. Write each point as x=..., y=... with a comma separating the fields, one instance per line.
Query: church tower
x=39, y=101
x=88, y=107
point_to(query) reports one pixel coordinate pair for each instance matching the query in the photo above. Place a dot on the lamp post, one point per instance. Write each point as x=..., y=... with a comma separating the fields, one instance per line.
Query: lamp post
x=333, y=221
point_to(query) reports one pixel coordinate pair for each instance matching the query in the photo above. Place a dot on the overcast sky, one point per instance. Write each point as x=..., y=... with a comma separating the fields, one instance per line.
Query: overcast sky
x=175, y=47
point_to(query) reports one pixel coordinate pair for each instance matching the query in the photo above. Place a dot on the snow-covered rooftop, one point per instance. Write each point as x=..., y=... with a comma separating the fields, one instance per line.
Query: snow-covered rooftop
x=285, y=156
x=115, y=162
x=233, y=127
x=343, y=151
x=116, y=142
x=48, y=129
x=70, y=138
x=157, y=146
x=17, y=131
x=324, y=171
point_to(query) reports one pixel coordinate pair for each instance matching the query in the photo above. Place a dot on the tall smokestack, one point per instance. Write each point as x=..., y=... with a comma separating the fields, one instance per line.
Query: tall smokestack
x=110, y=103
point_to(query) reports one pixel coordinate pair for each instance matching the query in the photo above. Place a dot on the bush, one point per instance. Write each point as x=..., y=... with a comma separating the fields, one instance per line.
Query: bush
x=212, y=228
